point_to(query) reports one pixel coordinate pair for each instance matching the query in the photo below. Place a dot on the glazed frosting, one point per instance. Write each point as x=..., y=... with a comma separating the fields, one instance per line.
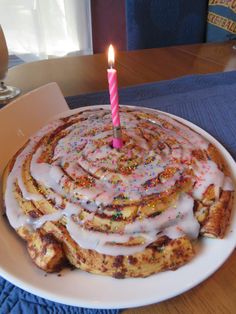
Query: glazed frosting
x=153, y=143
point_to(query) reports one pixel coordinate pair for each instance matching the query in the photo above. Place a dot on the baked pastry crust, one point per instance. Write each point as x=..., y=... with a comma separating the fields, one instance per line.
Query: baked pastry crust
x=177, y=164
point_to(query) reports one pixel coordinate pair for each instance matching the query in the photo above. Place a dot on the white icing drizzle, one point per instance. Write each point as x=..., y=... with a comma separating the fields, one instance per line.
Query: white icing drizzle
x=27, y=195
x=15, y=214
x=207, y=173
x=85, y=151
x=70, y=209
x=181, y=214
x=228, y=184
x=173, y=222
x=97, y=241
x=192, y=138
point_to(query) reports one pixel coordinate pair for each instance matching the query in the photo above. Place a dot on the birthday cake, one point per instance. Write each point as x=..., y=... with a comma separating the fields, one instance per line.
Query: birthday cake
x=128, y=212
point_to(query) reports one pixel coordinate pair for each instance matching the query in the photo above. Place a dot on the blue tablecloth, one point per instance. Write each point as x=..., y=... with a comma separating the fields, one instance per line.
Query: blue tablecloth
x=209, y=101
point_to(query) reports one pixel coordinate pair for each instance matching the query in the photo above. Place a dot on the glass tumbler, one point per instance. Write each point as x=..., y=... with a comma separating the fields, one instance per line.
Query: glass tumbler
x=6, y=92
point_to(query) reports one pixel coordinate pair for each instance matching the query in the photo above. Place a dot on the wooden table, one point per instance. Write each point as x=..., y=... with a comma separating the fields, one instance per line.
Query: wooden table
x=77, y=75
x=84, y=74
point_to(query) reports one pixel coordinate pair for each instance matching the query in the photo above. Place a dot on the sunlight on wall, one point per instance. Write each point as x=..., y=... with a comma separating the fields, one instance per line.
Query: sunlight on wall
x=47, y=28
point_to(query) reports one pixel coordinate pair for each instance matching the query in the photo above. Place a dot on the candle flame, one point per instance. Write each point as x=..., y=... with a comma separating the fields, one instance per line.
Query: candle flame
x=111, y=56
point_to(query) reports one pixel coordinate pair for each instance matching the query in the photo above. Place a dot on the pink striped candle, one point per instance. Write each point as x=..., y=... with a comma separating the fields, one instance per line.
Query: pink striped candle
x=114, y=100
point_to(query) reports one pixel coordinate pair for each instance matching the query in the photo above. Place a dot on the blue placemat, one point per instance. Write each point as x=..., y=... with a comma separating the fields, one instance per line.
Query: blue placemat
x=209, y=101
x=14, y=300
x=14, y=60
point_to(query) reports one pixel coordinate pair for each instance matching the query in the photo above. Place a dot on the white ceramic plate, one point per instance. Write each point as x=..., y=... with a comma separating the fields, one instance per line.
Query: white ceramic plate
x=82, y=289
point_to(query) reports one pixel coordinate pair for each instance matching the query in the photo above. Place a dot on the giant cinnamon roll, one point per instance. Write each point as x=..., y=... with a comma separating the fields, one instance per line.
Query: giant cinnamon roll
x=123, y=213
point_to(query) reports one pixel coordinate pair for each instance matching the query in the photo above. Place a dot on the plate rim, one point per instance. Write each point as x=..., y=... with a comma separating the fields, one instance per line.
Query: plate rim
x=27, y=286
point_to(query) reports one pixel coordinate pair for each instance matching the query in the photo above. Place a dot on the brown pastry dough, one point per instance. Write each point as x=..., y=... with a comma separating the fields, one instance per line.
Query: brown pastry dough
x=128, y=213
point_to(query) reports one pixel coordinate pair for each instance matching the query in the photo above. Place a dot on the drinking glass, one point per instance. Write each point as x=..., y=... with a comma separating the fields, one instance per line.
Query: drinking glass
x=6, y=92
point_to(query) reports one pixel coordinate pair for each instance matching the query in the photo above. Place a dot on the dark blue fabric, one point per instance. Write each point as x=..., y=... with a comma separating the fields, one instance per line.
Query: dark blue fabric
x=209, y=101
x=159, y=23
x=221, y=21
x=17, y=301
x=14, y=60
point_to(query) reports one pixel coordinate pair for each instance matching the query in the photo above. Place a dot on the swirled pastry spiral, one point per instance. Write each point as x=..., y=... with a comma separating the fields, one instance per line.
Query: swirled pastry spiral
x=124, y=213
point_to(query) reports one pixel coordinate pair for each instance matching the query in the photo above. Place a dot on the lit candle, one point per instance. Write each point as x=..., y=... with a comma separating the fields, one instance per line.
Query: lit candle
x=114, y=99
